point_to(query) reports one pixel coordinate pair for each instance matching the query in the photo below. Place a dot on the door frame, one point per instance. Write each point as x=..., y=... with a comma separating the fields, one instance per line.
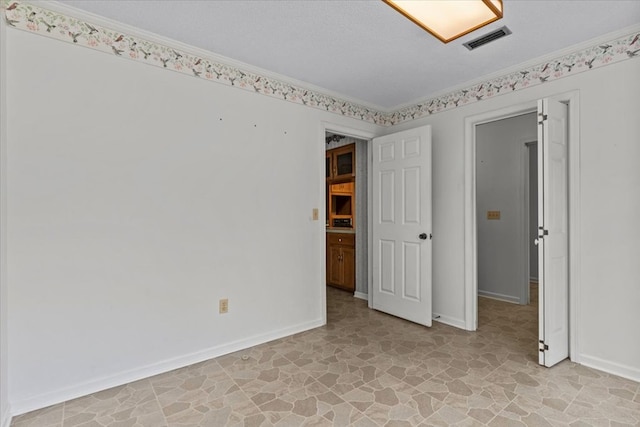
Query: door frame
x=527, y=212
x=361, y=134
x=572, y=99
x=525, y=181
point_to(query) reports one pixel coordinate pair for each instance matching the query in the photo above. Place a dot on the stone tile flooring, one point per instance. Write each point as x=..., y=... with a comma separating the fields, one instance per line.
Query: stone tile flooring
x=365, y=368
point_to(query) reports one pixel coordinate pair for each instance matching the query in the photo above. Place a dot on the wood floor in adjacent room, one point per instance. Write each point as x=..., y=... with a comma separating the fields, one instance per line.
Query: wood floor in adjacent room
x=365, y=368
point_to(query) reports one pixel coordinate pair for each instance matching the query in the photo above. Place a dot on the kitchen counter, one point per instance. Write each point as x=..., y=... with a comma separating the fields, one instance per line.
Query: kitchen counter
x=341, y=230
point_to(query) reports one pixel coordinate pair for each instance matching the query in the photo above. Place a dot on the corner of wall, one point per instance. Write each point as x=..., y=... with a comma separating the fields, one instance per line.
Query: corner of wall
x=5, y=419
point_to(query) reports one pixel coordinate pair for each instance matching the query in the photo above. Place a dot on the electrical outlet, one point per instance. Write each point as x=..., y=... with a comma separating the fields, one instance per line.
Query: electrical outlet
x=315, y=214
x=224, y=306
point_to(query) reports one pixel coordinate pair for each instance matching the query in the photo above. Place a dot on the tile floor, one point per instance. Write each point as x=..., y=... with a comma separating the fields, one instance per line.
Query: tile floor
x=365, y=368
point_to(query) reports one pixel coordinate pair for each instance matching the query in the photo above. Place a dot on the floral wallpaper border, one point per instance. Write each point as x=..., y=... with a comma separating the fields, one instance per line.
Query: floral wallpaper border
x=28, y=17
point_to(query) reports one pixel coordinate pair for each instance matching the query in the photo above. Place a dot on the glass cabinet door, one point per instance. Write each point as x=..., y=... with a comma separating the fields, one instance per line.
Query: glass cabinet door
x=343, y=160
x=344, y=163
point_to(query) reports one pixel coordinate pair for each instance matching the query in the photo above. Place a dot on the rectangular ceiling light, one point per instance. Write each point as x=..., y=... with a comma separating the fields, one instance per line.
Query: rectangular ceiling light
x=449, y=19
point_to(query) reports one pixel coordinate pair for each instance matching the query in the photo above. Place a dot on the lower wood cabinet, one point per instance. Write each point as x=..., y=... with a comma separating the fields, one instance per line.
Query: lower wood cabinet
x=341, y=261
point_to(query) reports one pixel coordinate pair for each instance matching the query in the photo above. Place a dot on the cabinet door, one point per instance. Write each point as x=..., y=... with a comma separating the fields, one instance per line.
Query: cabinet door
x=349, y=268
x=335, y=273
x=328, y=165
x=344, y=161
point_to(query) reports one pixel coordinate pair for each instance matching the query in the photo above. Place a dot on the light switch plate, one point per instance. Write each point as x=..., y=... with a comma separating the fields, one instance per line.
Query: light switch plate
x=223, y=306
x=493, y=214
x=315, y=214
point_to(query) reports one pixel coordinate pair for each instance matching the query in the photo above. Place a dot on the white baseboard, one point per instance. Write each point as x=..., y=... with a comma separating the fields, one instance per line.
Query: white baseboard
x=620, y=370
x=361, y=295
x=447, y=320
x=500, y=297
x=93, y=386
x=5, y=421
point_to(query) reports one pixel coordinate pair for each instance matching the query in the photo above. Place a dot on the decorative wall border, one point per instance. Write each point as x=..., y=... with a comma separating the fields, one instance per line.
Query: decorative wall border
x=55, y=25
x=28, y=17
x=597, y=56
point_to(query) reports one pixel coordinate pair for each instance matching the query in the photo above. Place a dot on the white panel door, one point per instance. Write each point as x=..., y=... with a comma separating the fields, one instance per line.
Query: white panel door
x=401, y=224
x=553, y=244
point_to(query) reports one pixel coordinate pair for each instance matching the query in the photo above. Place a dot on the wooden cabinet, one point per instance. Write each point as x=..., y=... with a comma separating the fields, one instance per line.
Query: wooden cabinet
x=341, y=163
x=340, y=193
x=340, y=198
x=341, y=261
x=341, y=205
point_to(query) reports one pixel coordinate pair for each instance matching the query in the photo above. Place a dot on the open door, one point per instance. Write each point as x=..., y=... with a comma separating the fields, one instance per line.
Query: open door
x=401, y=224
x=553, y=277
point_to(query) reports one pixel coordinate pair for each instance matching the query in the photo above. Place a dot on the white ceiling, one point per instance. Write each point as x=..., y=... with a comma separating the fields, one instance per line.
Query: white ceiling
x=365, y=50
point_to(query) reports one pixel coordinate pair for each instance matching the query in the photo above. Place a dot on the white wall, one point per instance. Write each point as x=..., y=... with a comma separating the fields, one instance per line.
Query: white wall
x=132, y=209
x=4, y=367
x=137, y=199
x=500, y=186
x=607, y=285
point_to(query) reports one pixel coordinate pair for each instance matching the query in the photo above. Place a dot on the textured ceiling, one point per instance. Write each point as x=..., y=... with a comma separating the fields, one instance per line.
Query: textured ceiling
x=364, y=50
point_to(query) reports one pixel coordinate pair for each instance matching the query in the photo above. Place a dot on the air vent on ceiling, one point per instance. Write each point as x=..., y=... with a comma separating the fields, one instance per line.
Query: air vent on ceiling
x=487, y=38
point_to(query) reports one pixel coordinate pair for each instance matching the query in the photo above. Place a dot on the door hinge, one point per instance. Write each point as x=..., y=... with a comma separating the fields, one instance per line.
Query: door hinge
x=542, y=346
x=542, y=117
x=542, y=232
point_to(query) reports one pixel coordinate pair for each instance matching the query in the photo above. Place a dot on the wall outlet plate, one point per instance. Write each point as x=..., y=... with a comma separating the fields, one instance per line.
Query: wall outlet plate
x=493, y=214
x=224, y=306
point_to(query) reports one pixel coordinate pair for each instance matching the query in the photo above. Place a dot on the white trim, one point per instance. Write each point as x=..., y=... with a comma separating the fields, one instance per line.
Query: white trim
x=361, y=295
x=610, y=367
x=98, y=384
x=523, y=219
x=5, y=421
x=358, y=134
x=322, y=225
x=447, y=320
x=573, y=98
x=346, y=131
x=5, y=407
x=499, y=297
x=526, y=295
x=369, y=227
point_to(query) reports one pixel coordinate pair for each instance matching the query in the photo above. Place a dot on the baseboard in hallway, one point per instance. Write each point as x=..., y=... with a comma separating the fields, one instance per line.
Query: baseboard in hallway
x=361, y=295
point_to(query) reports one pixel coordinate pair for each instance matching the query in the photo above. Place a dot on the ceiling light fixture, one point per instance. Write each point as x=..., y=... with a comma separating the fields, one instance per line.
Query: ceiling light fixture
x=449, y=19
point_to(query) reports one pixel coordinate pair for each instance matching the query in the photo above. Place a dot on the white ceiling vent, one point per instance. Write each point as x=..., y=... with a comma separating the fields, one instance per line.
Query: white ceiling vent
x=487, y=38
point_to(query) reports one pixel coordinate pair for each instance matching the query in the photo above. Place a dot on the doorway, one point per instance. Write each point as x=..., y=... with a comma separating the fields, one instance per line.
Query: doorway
x=570, y=197
x=506, y=209
x=502, y=203
x=338, y=137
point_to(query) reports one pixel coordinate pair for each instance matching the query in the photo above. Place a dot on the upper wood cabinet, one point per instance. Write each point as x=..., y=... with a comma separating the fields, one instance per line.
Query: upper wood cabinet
x=341, y=162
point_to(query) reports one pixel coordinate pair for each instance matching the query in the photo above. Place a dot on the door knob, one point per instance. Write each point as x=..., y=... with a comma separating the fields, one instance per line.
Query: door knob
x=423, y=236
